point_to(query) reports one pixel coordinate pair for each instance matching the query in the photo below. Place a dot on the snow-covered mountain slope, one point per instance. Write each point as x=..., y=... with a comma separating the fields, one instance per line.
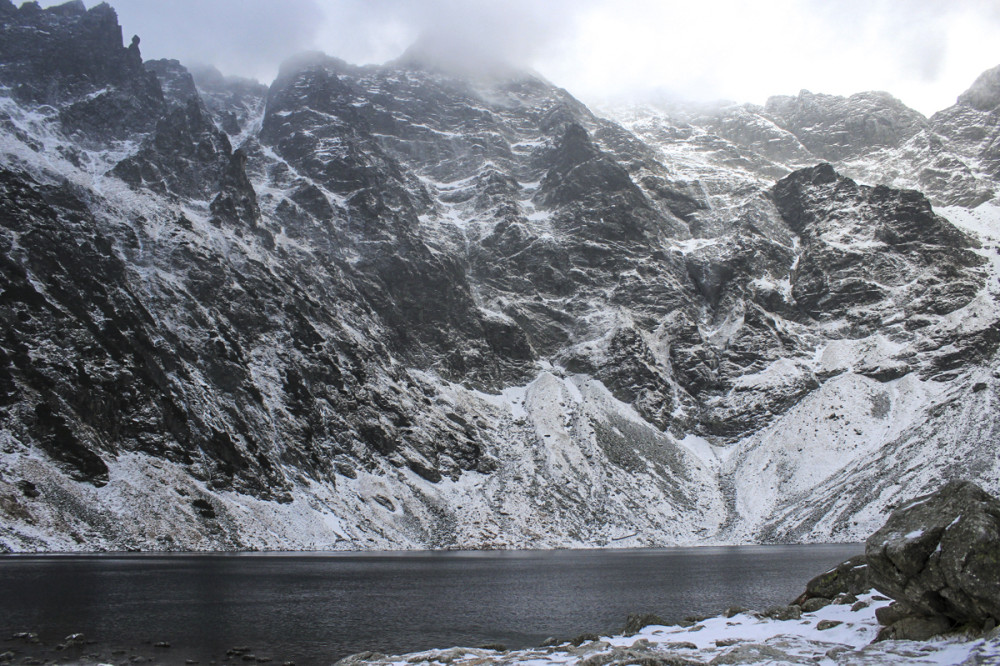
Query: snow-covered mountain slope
x=871, y=137
x=401, y=307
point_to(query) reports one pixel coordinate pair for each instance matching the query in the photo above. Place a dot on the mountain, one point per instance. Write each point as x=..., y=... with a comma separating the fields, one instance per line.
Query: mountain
x=408, y=306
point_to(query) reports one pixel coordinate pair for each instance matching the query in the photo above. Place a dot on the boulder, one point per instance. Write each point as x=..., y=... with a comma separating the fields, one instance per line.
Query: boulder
x=639, y=656
x=848, y=577
x=792, y=612
x=915, y=629
x=938, y=557
x=815, y=603
x=733, y=611
x=755, y=653
x=636, y=622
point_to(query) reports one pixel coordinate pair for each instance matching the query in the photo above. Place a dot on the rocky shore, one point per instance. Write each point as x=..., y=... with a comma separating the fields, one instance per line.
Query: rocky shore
x=926, y=591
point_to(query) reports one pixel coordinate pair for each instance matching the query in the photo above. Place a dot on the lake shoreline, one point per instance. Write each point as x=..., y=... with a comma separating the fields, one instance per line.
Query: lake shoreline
x=316, y=607
x=414, y=551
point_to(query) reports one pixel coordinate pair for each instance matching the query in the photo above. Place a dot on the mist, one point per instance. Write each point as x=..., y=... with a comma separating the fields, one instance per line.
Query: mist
x=925, y=52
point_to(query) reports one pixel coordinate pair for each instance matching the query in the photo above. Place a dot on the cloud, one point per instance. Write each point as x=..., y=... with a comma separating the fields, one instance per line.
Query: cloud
x=924, y=51
x=514, y=31
x=249, y=37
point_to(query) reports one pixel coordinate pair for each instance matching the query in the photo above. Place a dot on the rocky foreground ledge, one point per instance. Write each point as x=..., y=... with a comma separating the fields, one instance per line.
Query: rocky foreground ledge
x=927, y=591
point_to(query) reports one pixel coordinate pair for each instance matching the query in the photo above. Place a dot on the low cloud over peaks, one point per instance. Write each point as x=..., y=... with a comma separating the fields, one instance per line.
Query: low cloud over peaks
x=452, y=32
x=925, y=52
x=248, y=37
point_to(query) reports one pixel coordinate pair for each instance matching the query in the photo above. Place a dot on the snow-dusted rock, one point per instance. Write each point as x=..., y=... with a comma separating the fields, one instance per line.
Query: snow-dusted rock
x=834, y=128
x=938, y=556
x=834, y=634
x=847, y=578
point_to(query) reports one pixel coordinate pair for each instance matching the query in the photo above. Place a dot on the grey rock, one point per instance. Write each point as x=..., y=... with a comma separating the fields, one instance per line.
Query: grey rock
x=496, y=647
x=827, y=282
x=175, y=81
x=938, y=555
x=754, y=653
x=823, y=625
x=584, y=638
x=917, y=628
x=186, y=156
x=834, y=128
x=233, y=101
x=894, y=612
x=640, y=657
x=984, y=95
x=75, y=61
x=636, y=622
x=813, y=604
x=792, y=612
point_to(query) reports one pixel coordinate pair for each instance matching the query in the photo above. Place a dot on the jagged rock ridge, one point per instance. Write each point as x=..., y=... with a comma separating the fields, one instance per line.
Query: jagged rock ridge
x=398, y=306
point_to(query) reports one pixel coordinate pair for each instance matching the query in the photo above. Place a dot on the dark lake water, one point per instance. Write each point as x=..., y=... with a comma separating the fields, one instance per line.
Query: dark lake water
x=314, y=609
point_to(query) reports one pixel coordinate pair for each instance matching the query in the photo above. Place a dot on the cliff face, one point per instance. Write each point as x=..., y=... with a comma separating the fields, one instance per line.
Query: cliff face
x=395, y=306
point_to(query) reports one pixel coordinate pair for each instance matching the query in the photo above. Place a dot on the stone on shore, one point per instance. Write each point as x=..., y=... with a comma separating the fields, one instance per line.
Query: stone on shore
x=938, y=557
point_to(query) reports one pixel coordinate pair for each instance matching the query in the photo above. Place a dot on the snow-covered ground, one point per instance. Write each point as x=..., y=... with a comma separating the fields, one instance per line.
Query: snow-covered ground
x=836, y=634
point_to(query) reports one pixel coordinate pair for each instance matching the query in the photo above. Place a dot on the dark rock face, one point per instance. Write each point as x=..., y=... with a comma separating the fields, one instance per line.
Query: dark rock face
x=175, y=81
x=235, y=103
x=185, y=157
x=74, y=58
x=834, y=128
x=111, y=389
x=64, y=51
x=862, y=244
x=937, y=556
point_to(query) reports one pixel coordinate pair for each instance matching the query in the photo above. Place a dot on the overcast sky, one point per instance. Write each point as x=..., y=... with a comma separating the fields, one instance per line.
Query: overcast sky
x=926, y=52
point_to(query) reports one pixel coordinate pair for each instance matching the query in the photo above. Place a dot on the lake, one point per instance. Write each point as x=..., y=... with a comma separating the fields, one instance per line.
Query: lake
x=315, y=608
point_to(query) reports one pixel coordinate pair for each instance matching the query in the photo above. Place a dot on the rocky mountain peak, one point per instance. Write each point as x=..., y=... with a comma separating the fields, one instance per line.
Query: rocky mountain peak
x=455, y=56
x=835, y=128
x=65, y=49
x=74, y=59
x=175, y=80
x=984, y=95
x=71, y=8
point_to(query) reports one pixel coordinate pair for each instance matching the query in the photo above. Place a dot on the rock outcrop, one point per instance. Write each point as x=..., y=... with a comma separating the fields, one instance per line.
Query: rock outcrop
x=73, y=58
x=849, y=578
x=938, y=556
x=835, y=128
